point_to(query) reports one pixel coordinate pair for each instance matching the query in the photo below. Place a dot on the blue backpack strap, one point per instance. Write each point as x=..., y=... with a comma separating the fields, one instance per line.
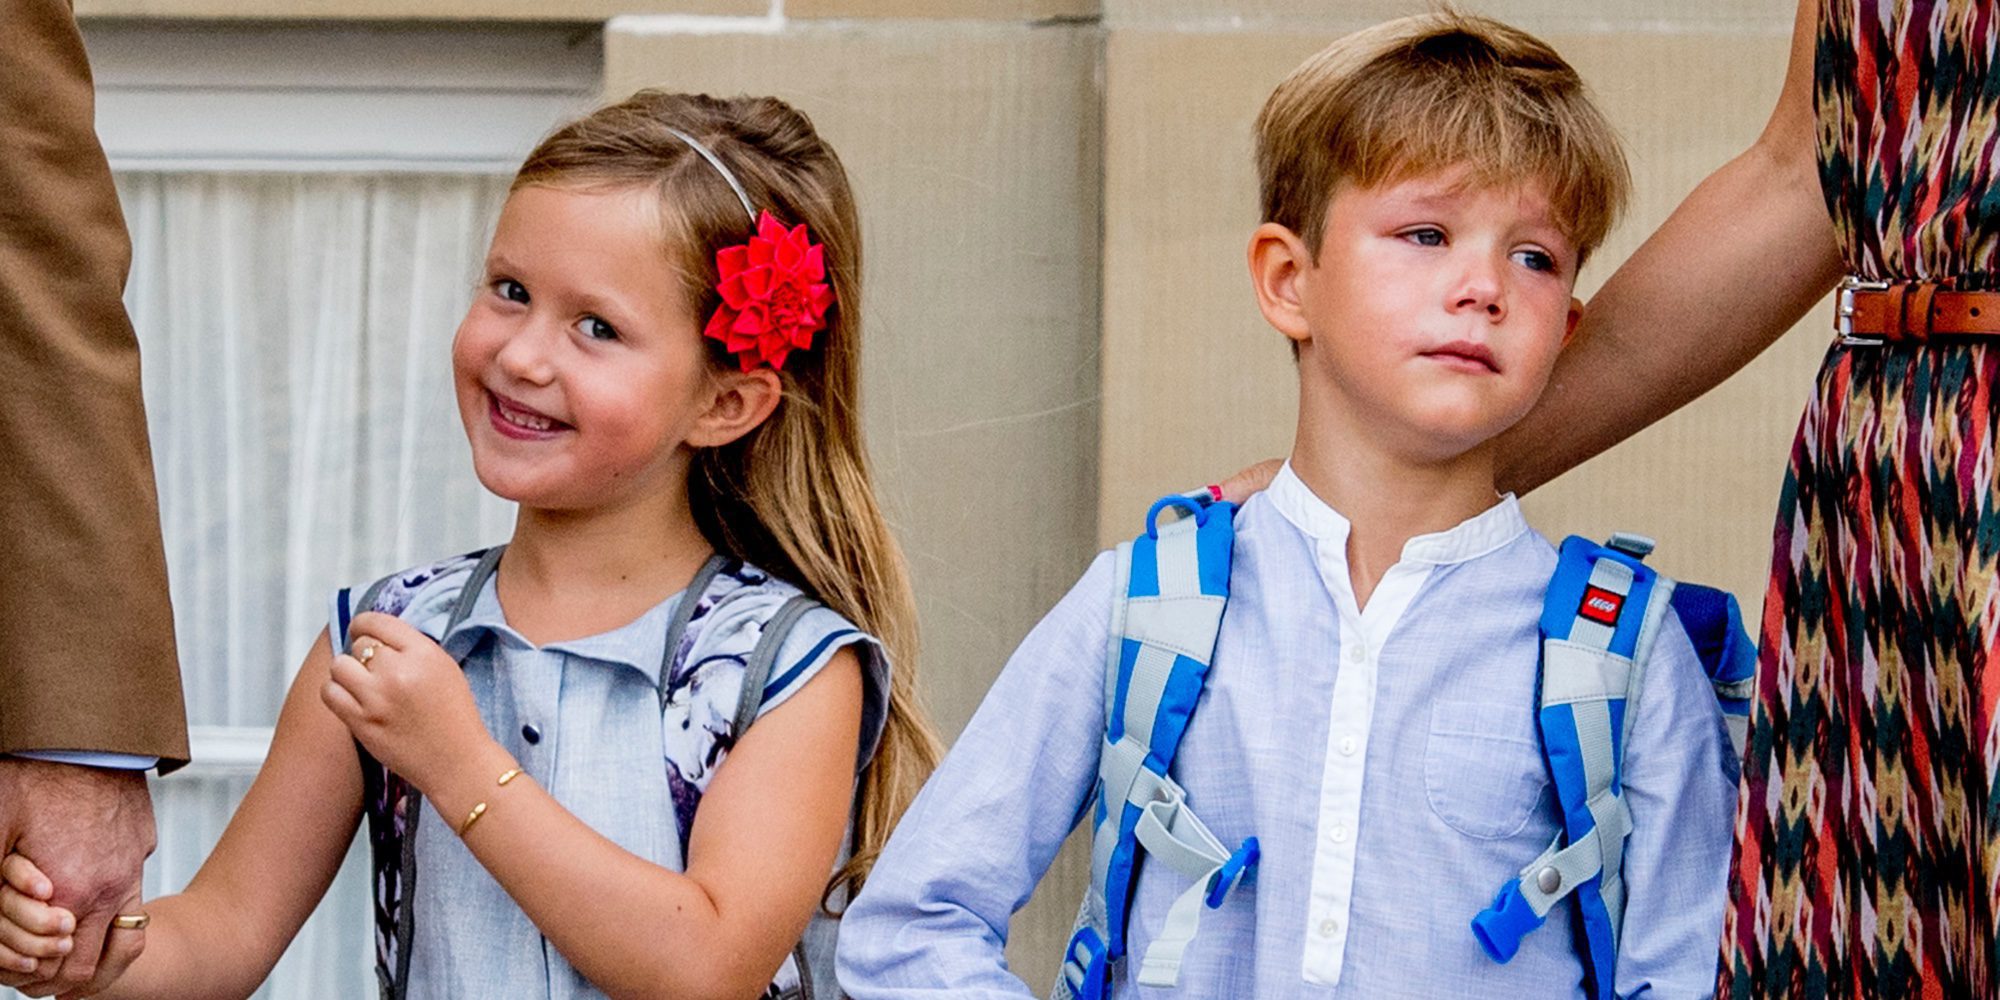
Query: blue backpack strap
x=1172, y=585
x=1599, y=620
x=1603, y=609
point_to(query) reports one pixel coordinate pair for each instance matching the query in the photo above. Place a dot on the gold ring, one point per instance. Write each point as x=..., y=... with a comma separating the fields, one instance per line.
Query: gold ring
x=131, y=921
x=367, y=653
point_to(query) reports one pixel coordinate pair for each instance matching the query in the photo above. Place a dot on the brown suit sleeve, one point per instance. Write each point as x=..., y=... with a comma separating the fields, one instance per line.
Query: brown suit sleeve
x=86, y=635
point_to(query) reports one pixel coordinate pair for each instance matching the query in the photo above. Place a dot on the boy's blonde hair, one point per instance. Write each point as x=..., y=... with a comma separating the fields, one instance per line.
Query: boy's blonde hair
x=794, y=495
x=1431, y=92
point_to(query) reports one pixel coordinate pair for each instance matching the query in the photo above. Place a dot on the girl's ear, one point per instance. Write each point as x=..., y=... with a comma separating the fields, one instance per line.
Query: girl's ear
x=1277, y=260
x=1575, y=317
x=739, y=402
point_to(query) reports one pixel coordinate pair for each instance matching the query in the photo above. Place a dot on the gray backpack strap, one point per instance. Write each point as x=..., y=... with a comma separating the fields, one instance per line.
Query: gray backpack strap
x=757, y=672
x=366, y=603
x=684, y=613
x=374, y=773
x=406, y=925
x=468, y=595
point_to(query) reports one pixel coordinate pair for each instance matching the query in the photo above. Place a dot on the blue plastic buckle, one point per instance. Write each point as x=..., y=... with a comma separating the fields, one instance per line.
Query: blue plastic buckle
x=1501, y=927
x=1231, y=872
x=1087, y=955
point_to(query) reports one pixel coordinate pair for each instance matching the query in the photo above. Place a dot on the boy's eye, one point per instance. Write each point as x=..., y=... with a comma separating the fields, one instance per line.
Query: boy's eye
x=596, y=329
x=1535, y=260
x=511, y=290
x=1428, y=236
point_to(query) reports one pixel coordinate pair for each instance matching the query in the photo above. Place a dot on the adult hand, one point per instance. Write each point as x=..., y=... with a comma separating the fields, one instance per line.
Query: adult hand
x=89, y=830
x=1251, y=481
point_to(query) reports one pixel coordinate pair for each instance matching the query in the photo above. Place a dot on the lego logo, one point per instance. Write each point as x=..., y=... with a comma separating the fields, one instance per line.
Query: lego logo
x=1601, y=606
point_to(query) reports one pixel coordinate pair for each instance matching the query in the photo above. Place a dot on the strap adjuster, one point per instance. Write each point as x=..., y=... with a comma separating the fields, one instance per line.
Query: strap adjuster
x=1232, y=871
x=1086, y=965
x=1634, y=545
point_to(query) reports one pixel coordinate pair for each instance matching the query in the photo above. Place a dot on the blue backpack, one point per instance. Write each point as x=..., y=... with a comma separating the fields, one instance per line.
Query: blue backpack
x=1602, y=611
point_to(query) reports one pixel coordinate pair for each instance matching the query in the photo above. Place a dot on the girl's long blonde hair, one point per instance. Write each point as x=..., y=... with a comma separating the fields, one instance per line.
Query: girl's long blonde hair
x=794, y=495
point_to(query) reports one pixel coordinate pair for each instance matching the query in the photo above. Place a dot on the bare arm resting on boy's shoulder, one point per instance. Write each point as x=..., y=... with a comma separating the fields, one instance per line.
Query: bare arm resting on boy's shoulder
x=932, y=921
x=1680, y=776
x=1745, y=256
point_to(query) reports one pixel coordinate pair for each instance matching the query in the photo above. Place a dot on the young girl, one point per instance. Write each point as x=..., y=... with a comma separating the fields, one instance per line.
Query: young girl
x=565, y=794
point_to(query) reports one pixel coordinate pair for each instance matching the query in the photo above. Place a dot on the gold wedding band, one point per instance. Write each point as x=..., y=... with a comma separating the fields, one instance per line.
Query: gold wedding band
x=131, y=921
x=367, y=653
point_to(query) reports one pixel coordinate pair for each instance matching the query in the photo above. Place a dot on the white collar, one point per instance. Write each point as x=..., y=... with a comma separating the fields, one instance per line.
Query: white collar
x=639, y=644
x=1485, y=532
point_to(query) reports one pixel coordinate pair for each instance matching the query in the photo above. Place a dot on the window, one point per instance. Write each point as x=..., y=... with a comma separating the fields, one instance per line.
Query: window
x=309, y=207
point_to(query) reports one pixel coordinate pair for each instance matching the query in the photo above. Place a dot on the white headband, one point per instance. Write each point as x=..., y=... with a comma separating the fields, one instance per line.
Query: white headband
x=716, y=162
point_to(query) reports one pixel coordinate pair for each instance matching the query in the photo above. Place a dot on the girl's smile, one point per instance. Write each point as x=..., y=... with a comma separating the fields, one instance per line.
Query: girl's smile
x=520, y=422
x=580, y=369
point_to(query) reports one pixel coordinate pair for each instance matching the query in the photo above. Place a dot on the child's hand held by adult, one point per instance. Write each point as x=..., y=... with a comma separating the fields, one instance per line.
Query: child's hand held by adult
x=33, y=931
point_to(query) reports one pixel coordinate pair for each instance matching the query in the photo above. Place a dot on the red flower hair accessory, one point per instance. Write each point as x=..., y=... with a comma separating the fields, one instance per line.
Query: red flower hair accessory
x=774, y=294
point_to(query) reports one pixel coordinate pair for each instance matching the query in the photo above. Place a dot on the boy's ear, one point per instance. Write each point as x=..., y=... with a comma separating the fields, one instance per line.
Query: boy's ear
x=1278, y=258
x=1575, y=316
x=740, y=401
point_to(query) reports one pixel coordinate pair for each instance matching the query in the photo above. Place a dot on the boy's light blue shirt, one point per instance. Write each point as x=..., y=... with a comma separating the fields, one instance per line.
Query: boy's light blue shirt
x=1386, y=758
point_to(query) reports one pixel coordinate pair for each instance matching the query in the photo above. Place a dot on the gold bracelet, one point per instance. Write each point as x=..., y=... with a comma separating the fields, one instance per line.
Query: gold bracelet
x=480, y=810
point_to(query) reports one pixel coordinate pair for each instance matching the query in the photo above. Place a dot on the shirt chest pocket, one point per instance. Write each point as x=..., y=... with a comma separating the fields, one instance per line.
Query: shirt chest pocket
x=1483, y=769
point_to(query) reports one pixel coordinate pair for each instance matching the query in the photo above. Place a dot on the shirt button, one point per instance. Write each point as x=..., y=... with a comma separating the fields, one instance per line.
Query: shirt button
x=1357, y=653
x=1339, y=834
x=1327, y=927
x=1348, y=746
x=531, y=734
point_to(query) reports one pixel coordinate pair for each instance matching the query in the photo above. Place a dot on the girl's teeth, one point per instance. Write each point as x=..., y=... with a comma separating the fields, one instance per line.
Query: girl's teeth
x=524, y=420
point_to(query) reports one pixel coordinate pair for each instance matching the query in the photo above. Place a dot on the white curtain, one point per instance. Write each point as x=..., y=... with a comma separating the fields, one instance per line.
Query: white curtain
x=295, y=334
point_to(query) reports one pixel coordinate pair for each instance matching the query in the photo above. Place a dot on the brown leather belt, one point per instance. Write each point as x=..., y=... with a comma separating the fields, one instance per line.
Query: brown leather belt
x=1886, y=312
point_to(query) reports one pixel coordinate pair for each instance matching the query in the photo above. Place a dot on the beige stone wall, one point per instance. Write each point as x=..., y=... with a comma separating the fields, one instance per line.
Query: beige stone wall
x=991, y=10
x=1615, y=17
x=413, y=10
x=589, y=10
x=1056, y=196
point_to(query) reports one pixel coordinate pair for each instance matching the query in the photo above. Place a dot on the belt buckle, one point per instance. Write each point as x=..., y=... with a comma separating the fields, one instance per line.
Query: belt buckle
x=1843, y=314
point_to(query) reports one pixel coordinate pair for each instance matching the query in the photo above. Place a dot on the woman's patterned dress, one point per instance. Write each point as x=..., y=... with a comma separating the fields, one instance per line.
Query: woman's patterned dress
x=1868, y=832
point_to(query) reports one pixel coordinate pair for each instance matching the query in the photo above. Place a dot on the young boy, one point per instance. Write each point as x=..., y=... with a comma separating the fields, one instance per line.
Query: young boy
x=1430, y=187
